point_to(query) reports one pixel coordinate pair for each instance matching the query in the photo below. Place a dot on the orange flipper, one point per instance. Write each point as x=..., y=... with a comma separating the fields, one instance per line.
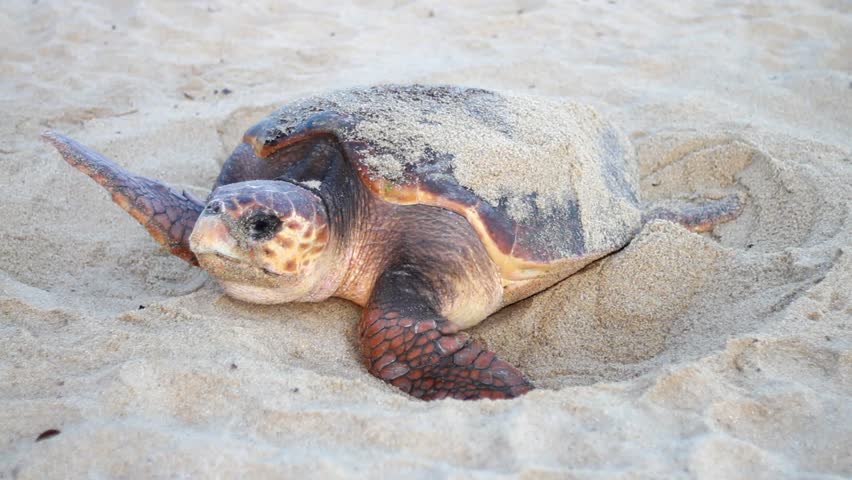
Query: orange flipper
x=168, y=215
x=421, y=353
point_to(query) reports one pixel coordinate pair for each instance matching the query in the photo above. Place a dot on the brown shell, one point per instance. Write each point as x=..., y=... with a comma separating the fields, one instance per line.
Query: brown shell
x=567, y=234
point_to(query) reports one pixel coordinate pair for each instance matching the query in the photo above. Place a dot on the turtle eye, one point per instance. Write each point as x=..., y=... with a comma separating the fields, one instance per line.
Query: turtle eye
x=262, y=226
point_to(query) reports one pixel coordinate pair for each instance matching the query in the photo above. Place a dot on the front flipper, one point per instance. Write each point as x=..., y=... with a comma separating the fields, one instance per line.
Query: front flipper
x=167, y=214
x=404, y=342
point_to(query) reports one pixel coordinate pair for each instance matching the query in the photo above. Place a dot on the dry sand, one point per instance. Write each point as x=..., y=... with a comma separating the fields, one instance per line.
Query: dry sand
x=726, y=355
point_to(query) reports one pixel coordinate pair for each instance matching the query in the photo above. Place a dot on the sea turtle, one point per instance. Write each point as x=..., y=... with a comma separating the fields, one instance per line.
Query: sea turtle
x=430, y=206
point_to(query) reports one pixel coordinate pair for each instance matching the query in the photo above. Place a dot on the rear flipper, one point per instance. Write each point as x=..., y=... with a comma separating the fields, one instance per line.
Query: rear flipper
x=698, y=215
x=167, y=214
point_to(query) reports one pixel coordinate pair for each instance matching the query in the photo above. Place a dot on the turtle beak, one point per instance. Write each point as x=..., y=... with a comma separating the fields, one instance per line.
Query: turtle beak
x=211, y=237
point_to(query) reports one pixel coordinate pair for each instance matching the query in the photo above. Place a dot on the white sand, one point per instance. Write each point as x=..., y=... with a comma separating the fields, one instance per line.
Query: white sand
x=727, y=355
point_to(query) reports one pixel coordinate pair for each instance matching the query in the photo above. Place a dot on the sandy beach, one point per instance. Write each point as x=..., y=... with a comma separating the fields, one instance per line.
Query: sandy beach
x=719, y=355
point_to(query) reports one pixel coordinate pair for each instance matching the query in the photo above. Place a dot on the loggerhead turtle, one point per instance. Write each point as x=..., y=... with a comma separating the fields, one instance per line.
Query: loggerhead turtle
x=430, y=206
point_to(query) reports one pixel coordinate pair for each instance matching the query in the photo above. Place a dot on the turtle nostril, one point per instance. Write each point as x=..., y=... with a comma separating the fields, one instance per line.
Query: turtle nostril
x=214, y=207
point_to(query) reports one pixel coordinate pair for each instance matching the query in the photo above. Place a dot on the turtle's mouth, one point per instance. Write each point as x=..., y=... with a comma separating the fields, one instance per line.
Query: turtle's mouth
x=226, y=267
x=242, y=264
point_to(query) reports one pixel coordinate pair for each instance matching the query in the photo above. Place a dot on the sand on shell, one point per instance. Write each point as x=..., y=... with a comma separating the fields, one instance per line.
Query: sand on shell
x=724, y=355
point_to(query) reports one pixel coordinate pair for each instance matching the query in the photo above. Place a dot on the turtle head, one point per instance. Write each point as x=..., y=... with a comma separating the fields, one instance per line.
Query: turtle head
x=267, y=242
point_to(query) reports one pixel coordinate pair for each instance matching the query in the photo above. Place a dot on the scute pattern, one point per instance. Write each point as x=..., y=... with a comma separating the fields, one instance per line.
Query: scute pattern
x=302, y=234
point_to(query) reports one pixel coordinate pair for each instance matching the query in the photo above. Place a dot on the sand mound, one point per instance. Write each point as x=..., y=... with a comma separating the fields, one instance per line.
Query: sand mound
x=724, y=355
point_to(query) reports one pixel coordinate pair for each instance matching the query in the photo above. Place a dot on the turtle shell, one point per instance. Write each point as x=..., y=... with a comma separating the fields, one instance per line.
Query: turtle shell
x=546, y=183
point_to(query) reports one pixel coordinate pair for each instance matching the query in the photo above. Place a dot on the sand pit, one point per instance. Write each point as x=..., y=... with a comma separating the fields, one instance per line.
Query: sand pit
x=721, y=355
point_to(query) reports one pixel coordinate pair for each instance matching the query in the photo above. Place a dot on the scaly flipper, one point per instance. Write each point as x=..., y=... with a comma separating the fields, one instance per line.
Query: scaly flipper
x=406, y=343
x=698, y=216
x=167, y=214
